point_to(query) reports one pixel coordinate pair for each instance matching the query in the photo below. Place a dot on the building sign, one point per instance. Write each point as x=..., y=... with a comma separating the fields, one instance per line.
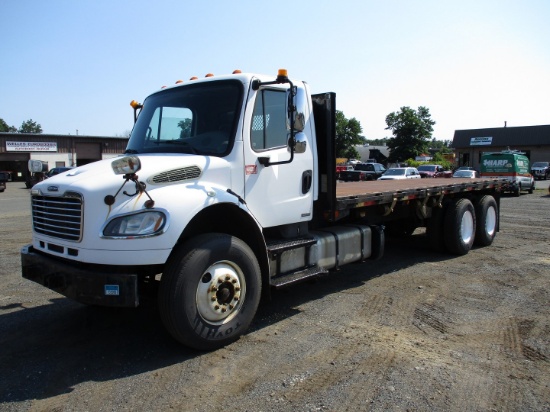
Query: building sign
x=481, y=141
x=31, y=146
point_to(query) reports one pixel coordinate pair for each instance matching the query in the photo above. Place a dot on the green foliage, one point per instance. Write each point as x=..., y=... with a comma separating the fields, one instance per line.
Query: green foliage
x=5, y=128
x=444, y=146
x=377, y=142
x=412, y=131
x=185, y=126
x=348, y=134
x=436, y=160
x=30, y=126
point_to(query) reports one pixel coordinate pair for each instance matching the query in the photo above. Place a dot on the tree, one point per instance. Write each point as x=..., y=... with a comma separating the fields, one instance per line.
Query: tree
x=412, y=131
x=347, y=136
x=30, y=126
x=443, y=146
x=185, y=126
x=5, y=128
x=377, y=142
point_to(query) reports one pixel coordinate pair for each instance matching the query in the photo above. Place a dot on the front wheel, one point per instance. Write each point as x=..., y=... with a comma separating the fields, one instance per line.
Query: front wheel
x=210, y=291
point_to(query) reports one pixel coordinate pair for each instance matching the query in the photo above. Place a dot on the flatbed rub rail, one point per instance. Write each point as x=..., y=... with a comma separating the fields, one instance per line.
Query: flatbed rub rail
x=380, y=192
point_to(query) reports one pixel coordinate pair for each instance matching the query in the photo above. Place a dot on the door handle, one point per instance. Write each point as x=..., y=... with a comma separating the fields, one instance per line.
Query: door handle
x=307, y=179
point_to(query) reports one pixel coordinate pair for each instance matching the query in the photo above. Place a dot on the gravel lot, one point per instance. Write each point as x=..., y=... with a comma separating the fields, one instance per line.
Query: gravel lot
x=416, y=330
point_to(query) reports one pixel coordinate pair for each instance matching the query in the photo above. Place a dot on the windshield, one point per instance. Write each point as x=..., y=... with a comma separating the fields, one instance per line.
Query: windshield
x=200, y=119
x=394, y=172
x=540, y=164
x=426, y=168
x=463, y=173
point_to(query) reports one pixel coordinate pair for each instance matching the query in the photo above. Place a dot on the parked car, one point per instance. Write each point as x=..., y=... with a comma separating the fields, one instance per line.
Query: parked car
x=468, y=174
x=342, y=168
x=433, y=171
x=541, y=170
x=362, y=171
x=398, y=173
x=56, y=171
x=3, y=180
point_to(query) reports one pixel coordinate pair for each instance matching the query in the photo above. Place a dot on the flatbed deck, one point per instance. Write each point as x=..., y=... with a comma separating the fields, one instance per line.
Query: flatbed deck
x=366, y=193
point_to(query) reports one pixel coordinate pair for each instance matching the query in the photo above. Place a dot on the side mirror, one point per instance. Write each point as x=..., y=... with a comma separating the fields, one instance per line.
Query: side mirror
x=299, y=105
x=300, y=142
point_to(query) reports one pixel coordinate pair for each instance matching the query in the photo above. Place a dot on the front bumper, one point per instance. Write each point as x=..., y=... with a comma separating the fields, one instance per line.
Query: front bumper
x=91, y=287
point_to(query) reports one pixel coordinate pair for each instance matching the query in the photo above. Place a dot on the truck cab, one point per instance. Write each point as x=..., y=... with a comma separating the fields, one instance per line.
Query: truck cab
x=228, y=164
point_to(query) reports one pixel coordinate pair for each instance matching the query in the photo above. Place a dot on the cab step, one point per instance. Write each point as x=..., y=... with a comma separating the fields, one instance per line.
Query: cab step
x=288, y=279
x=277, y=247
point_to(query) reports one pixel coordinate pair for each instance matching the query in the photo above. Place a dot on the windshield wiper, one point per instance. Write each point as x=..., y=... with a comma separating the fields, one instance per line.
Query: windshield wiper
x=183, y=143
x=131, y=151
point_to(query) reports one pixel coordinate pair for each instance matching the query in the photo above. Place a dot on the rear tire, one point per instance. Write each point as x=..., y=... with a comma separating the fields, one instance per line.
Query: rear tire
x=434, y=230
x=210, y=291
x=487, y=220
x=460, y=226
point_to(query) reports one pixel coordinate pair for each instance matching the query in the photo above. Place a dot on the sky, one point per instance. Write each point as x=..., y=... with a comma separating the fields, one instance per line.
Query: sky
x=74, y=66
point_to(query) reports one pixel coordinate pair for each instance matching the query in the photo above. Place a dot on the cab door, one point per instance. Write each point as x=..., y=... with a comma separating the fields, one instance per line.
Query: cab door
x=275, y=194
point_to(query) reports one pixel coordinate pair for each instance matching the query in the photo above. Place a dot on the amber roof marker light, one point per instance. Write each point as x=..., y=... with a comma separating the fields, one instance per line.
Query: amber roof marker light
x=282, y=75
x=136, y=106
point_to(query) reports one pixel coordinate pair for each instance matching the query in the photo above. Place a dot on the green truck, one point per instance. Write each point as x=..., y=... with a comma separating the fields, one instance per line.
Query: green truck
x=510, y=165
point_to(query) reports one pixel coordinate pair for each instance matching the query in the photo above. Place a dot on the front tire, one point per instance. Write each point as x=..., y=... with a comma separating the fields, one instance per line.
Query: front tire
x=210, y=291
x=460, y=226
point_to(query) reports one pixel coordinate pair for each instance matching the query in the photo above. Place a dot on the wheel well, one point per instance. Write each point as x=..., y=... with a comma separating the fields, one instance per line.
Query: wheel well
x=230, y=219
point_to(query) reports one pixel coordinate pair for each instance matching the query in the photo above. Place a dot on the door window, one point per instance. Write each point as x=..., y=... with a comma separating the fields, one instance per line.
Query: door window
x=268, y=128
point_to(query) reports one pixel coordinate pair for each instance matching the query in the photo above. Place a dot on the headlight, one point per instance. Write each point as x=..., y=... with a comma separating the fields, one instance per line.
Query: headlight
x=148, y=223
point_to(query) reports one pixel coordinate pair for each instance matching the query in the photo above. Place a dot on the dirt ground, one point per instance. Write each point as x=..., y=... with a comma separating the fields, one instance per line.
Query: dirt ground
x=415, y=331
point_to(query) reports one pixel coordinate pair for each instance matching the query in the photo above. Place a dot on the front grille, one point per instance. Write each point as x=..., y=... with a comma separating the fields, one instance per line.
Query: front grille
x=59, y=217
x=177, y=175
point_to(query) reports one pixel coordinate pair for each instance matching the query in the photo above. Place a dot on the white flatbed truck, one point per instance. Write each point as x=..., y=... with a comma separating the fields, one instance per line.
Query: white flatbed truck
x=226, y=190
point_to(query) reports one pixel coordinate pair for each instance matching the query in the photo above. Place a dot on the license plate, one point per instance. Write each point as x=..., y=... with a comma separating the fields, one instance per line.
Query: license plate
x=112, y=290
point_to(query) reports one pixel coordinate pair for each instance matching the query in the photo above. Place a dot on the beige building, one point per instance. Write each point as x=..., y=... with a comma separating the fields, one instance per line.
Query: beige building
x=469, y=145
x=16, y=149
